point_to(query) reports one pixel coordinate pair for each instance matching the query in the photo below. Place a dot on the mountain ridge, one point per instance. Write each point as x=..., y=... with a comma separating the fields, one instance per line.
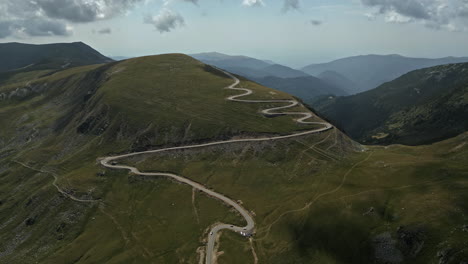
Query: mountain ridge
x=410, y=110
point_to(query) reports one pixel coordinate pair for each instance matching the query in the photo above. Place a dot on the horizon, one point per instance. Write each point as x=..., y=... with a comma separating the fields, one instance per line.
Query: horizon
x=294, y=33
x=234, y=55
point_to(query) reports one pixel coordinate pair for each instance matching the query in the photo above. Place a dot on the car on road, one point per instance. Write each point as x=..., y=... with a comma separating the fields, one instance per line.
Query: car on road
x=211, y=233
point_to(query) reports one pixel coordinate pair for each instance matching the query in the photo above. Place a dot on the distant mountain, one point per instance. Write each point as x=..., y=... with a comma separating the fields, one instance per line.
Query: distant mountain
x=14, y=56
x=247, y=66
x=283, y=71
x=226, y=61
x=280, y=77
x=420, y=107
x=307, y=88
x=338, y=80
x=370, y=71
x=120, y=58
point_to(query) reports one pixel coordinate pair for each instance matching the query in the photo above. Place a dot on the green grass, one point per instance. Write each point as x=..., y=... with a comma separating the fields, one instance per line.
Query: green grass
x=304, y=192
x=412, y=187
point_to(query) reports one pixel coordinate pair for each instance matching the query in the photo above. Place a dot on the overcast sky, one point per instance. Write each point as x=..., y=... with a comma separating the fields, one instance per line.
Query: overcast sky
x=292, y=32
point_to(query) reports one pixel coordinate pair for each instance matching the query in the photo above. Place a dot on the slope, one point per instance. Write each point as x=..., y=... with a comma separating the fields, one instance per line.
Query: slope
x=306, y=88
x=309, y=195
x=338, y=80
x=50, y=56
x=370, y=71
x=420, y=107
x=55, y=127
x=26, y=62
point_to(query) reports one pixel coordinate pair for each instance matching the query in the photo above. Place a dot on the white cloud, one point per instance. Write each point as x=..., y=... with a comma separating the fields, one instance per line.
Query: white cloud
x=439, y=14
x=53, y=17
x=253, y=3
x=165, y=21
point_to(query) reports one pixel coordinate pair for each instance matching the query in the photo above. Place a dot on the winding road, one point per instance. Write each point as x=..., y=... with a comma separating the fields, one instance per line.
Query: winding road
x=248, y=229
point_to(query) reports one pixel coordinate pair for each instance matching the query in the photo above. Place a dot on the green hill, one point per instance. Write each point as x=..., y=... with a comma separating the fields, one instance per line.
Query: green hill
x=26, y=62
x=50, y=56
x=420, y=107
x=319, y=198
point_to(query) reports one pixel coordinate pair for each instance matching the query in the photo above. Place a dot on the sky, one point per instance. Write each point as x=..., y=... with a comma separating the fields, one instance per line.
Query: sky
x=291, y=32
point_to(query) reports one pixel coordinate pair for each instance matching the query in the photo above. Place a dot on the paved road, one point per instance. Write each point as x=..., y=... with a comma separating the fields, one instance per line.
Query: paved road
x=248, y=229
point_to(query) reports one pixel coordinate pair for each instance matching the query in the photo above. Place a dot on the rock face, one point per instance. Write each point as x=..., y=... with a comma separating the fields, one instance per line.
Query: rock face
x=410, y=240
x=402, y=246
x=385, y=249
x=444, y=255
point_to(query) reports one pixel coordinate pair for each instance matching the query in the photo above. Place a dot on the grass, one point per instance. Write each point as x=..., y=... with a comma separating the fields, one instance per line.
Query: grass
x=406, y=186
x=304, y=192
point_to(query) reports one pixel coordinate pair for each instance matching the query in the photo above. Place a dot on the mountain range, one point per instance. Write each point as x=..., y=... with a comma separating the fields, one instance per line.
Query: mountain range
x=345, y=76
x=314, y=197
x=369, y=71
x=420, y=107
x=273, y=75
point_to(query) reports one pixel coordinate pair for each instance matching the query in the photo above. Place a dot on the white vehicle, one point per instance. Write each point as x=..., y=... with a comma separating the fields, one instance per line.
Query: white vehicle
x=211, y=233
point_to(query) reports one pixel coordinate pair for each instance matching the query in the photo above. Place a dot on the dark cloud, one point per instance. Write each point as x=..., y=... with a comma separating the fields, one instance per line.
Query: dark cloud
x=33, y=27
x=51, y=17
x=291, y=5
x=165, y=21
x=44, y=27
x=409, y=8
x=451, y=14
x=5, y=29
x=315, y=22
x=104, y=31
x=195, y=2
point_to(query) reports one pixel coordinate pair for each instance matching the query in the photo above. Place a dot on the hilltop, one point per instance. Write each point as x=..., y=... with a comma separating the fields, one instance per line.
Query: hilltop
x=16, y=56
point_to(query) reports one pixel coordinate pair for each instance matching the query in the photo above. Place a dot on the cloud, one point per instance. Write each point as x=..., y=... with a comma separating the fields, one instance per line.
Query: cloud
x=448, y=14
x=315, y=22
x=165, y=21
x=195, y=2
x=291, y=5
x=253, y=3
x=105, y=31
x=52, y=17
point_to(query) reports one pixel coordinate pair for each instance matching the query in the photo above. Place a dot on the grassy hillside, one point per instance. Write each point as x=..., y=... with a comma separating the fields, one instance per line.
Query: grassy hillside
x=314, y=199
x=420, y=107
x=51, y=56
x=321, y=198
x=58, y=125
x=26, y=62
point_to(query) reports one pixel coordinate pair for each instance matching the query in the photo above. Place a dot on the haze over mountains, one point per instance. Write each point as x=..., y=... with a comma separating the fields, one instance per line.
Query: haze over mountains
x=370, y=71
x=345, y=76
x=283, y=78
x=420, y=107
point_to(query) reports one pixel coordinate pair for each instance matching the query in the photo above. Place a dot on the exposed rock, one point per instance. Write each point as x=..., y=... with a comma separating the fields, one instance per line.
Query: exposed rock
x=465, y=228
x=411, y=240
x=444, y=255
x=371, y=211
x=30, y=221
x=385, y=250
